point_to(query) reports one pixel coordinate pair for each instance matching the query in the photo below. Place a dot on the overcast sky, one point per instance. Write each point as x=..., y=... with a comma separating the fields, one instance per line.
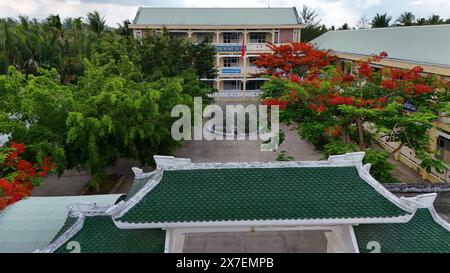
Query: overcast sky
x=331, y=12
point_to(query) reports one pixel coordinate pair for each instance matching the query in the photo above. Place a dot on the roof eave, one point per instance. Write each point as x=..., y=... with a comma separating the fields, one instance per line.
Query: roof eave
x=267, y=223
x=209, y=26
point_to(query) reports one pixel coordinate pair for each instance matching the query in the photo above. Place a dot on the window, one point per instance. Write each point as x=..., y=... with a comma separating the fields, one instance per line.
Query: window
x=232, y=85
x=138, y=34
x=254, y=85
x=277, y=36
x=295, y=35
x=257, y=38
x=201, y=37
x=443, y=149
x=231, y=62
x=251, y=61
x=230, y=37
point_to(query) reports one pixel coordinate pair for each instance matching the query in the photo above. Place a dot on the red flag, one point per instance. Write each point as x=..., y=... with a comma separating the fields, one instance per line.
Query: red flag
x=243, y=49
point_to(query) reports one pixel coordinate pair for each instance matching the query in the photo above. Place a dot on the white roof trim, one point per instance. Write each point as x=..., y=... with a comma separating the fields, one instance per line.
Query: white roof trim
x=266, y=223
x=65, y=237
x=80, y=211
x=139, y=173
x=120, y=209
x=347, y=160
x=163, y=161
x=366, y=176
x=426, y=201
x=438, y=219
x=268, y=165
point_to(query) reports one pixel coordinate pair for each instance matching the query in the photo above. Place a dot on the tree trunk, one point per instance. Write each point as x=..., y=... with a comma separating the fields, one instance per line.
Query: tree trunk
x=396, y=152
x=360, y=127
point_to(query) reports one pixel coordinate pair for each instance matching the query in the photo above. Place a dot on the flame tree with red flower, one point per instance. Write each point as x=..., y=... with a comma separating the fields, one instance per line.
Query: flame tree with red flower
x=342, y=112
x=19, y=176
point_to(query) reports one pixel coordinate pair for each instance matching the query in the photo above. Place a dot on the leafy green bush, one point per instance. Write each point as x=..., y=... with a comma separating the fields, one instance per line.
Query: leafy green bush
x=381, y=168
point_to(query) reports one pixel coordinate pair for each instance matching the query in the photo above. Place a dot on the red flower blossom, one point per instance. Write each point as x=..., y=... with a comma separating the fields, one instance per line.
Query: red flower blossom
x=388, y=84
x=348, y=78
x=21, y=174
x=322, y=108
x=3, y=203
x=365, y=70
x=417, y=70
x=312, y=106
x=23, y=165
x=273, y=102
x=19, y=148
x=349, y=101
x=295, y=78
x=422, y=89
x=418, y=89
x=382, y=100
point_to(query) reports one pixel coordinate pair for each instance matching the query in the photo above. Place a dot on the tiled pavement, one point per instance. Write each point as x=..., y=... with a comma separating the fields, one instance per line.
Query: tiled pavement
x=247, y=151
x=257, y=242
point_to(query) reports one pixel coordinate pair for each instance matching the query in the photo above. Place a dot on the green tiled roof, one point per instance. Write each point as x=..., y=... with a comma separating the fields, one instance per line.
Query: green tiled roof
x=100, y=235
x=250, y=194
x=420, y=235
x=216, y=16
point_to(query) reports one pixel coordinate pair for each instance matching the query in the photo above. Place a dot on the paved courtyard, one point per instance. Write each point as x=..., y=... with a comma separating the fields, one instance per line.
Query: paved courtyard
x=248, y=151
x=257, y=242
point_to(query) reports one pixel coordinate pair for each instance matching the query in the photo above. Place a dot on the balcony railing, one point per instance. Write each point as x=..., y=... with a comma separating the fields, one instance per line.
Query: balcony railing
x=237, y=47
x=237, y=94
x=257, y=47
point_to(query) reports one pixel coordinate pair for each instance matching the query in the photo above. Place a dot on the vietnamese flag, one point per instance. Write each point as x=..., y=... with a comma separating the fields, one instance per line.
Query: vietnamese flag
x=243, y=49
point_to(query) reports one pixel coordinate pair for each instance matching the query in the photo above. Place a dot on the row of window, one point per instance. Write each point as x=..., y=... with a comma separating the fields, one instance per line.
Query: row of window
x=235, y=61
x=238, y=85
x=233, y=37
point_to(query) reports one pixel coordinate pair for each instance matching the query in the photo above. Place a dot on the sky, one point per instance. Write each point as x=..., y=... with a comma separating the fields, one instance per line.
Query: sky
x=331, y=12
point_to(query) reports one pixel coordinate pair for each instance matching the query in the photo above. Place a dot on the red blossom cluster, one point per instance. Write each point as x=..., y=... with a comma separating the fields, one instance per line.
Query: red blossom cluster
x=272, y=102
x=334, y=131
x=287, y=57
x=17, y=175
x=418, y=89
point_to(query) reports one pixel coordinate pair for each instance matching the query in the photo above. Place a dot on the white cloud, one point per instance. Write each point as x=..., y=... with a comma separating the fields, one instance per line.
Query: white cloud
x=114, y=13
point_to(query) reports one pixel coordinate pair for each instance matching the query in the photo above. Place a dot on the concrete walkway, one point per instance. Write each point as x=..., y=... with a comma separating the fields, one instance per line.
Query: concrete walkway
x=247, y=151
x=405, y=174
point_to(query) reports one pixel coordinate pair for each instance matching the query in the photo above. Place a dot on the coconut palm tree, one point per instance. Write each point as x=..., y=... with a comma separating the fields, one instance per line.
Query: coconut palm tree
x=97, y=24
x=406, y=19
x=309, y=17
x=381, y=20
x=124, y=30
x=435, y=20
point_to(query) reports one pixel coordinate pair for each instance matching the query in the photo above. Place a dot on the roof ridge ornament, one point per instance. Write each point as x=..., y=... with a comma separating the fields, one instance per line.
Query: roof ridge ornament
x=424, y=201
x=350, y=158
x=167, y=161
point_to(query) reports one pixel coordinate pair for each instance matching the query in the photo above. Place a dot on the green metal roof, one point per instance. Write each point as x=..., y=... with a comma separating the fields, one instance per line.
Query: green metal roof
x=422, y=234
x=261, y=194
x=216, y=16
x=100, y=235
x=33, y=222
x=417, y=44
